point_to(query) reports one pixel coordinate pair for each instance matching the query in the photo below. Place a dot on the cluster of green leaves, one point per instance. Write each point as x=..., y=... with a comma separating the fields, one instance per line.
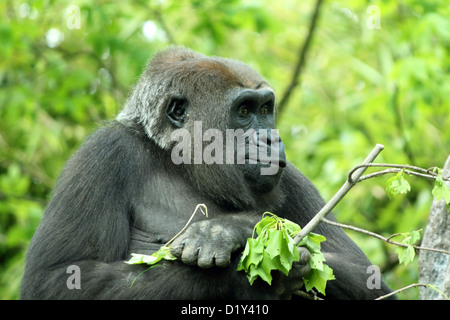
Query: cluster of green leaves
x=399, y=185
x=320, y=272
x=407, y=254
x=274, y=248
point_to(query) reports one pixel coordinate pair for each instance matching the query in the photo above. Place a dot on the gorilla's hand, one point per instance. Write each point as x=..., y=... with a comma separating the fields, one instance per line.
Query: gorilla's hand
x=209, y=243
x=284, y=286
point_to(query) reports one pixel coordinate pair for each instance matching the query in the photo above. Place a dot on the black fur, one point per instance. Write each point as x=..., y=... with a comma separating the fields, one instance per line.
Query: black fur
x=122, y=194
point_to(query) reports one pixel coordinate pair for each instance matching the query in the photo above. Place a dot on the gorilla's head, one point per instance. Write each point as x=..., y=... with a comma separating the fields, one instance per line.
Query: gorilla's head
x=216, y=117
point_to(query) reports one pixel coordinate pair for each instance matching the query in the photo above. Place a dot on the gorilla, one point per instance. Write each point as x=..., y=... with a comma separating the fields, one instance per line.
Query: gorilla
x=134, y=183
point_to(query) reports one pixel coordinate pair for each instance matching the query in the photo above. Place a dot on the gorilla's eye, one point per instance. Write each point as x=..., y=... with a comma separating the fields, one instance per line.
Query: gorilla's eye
x=243, y=111
x=264, y=110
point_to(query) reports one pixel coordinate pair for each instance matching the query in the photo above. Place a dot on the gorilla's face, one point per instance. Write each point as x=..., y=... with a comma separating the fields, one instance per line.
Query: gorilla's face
x=216, y=117
x=252, y=111
x=232, y=122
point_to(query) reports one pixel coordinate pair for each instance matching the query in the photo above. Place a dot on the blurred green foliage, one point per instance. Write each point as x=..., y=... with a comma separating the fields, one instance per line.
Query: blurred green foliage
x=61, y=74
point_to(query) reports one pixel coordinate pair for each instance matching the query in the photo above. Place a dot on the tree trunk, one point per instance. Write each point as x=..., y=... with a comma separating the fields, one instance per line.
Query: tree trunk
x=434, y=267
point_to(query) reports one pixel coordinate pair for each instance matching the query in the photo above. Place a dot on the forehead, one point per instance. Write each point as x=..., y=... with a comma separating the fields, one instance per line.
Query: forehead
x=242, y=75
x=194, y=69
x=218, y=72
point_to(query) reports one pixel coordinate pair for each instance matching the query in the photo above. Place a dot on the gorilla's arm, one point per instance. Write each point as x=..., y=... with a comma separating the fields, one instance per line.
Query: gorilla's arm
x=86, y=223
x=348, y=262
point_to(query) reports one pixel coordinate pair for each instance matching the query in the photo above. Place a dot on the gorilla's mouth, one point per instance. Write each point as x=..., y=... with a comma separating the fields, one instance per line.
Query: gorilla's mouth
x=281, y=162
x=266, y=149
x=267, y=165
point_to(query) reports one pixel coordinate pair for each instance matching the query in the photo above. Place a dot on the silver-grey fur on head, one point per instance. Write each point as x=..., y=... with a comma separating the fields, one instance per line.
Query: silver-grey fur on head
x=146, y=105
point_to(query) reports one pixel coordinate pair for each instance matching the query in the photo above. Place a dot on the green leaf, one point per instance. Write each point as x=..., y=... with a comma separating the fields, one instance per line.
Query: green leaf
x=288, y=253
x=317, y=260
x=317, y=238
x=266, y=222
x=161, y=254
x=414, y=236
x=292, y=228
x=318, y=279
x=440, y=190
x=274, y=242
x=252, y=254
x=164, y=253
x=281, y=248
x=263, y=269
x=312, y=242
x=397, y=185
x=405, y=255
x=135, y=259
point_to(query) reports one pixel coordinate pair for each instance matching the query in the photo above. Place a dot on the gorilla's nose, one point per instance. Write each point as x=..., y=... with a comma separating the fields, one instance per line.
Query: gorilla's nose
x=281, y=154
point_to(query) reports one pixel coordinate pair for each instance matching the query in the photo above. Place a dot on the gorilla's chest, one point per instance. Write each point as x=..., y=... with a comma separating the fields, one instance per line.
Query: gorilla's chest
x=161, y=211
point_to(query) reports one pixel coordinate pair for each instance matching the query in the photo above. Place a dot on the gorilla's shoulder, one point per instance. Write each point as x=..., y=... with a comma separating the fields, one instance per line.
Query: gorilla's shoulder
x=114, y=144
x=114, y=132
x=117, y=135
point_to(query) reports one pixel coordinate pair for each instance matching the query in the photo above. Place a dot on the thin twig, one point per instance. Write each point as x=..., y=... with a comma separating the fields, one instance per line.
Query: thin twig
x=402, y=289
x=349, y=227
x=306, y=295
x=387, y=171
x=200, y=206
x=378, y=236
x=425, y=173
x=392, y=236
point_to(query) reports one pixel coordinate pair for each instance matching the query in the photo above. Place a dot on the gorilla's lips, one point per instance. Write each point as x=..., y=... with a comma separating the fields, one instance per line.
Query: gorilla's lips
x=281, y=161
x=266, y=156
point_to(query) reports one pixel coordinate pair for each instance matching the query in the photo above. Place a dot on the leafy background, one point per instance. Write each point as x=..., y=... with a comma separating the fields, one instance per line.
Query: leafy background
x=359, y=86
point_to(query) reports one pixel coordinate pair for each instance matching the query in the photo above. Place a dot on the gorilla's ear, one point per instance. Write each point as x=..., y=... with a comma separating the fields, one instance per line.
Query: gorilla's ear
x=177, y=110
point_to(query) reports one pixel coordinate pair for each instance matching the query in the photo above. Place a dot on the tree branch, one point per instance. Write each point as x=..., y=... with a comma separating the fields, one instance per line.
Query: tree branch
x=402, y=289
x=387, y=171
x=301, y=59
x=425, y=173
x=376, y=235
x=349, y=183
x=306, y=295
